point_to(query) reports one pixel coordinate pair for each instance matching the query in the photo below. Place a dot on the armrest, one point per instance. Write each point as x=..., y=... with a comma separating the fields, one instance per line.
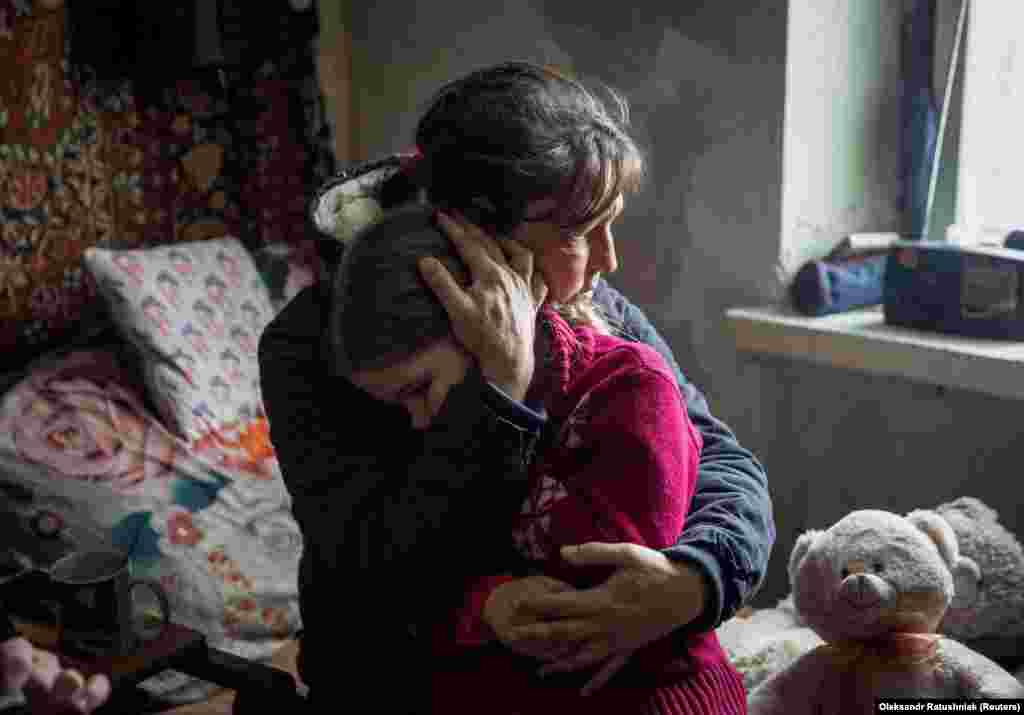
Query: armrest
x=241, y=675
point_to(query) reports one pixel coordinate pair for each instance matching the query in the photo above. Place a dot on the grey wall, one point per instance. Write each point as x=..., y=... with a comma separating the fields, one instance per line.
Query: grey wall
x=707, y=82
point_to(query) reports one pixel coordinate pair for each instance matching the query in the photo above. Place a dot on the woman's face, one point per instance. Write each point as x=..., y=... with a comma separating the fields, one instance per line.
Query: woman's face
x=419, y=383
x=570, y=259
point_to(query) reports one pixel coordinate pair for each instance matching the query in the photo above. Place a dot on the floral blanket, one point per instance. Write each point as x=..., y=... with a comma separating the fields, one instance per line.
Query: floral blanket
x=84, y=462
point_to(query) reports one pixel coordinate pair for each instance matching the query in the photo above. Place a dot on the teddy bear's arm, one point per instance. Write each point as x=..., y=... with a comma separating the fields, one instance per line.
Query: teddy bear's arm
x=795, y=690
x=978, y=676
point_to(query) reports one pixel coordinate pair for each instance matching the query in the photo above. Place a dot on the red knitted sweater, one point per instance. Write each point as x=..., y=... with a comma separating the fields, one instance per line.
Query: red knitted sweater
x=621, y=468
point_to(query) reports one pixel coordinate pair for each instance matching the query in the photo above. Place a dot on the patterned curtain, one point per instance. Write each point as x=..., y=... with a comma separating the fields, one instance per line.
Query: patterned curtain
x=132, y=142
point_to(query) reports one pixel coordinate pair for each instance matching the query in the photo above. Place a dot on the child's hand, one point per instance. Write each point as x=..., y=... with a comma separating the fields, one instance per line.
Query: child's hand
x=48, y=688
x=503, y=612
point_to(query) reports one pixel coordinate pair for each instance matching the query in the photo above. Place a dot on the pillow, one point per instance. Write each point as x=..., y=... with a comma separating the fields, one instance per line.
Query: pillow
x=195, y=311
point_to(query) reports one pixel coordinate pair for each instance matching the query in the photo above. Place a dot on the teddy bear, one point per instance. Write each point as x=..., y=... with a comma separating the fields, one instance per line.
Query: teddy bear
x=988, y=615
x=875, y=586
x=994, y=606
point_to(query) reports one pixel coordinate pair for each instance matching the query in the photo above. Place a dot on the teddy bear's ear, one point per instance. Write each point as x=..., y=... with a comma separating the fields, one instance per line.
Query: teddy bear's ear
x=939, y=531
x=966, y=574
x=800, y=549
x=966, y=583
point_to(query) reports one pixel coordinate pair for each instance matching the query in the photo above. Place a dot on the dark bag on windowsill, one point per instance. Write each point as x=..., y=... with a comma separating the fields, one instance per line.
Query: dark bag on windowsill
x=834, y=286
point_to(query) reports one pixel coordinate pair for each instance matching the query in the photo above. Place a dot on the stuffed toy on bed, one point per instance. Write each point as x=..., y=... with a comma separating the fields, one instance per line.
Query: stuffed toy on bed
x=995, y=608
x=765, y=640
x=875, y=586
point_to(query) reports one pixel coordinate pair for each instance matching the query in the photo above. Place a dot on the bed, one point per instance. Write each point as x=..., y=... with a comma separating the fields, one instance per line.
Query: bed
x=148, y=231
x=108, y=445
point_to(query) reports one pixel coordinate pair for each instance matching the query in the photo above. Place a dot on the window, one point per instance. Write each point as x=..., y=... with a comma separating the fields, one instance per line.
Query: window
x=844, y=129
x=990, y=175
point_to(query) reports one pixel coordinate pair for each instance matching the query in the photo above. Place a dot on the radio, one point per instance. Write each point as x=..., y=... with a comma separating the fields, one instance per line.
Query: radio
x=973, y=291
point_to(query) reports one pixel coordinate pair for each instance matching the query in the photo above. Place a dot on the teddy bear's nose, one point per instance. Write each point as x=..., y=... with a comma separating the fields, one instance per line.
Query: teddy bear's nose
x=859, y=591
x=857, y=588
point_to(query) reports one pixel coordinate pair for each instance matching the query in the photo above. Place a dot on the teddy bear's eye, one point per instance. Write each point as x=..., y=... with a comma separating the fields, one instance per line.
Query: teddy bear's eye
x=878, y=567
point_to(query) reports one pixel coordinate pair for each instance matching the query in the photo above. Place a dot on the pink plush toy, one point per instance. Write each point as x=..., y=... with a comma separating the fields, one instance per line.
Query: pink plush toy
x=34, y=681
x=875, y=586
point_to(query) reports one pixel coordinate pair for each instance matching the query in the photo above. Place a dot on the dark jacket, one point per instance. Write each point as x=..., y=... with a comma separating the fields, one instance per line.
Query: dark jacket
x=7, y=630
x=378, y=546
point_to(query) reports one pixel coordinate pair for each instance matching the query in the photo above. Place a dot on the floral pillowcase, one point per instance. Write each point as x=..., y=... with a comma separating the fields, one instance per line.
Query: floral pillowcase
x=195, y=311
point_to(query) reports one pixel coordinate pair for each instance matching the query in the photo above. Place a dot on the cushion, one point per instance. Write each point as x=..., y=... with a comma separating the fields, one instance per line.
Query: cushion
x=195, y=311
x=85, y=464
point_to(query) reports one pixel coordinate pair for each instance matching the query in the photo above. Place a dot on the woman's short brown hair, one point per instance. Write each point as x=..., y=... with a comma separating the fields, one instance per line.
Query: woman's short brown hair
x=504, y=136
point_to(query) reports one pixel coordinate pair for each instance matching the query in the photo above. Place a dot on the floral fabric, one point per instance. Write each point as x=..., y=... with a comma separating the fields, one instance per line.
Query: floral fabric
x=85, y=163
x=82, y=454
x=195, y=311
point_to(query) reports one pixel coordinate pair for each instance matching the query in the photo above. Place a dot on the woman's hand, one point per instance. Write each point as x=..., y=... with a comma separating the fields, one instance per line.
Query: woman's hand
x=494, y=318
x=48, y=688
x=646, y=598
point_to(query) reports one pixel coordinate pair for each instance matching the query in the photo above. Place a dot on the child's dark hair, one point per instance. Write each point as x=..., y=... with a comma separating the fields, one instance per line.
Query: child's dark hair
x=381, y=309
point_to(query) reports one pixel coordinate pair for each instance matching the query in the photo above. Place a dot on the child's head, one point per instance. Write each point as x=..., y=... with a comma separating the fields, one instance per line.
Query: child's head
x=382, y=310
x=388, y=331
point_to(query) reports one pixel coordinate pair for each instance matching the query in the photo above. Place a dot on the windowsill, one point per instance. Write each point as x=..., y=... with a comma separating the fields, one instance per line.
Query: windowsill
x=860, y=340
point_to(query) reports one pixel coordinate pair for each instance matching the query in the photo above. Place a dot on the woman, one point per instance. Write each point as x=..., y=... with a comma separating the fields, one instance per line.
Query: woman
x=619, y=465
x=494, y=144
